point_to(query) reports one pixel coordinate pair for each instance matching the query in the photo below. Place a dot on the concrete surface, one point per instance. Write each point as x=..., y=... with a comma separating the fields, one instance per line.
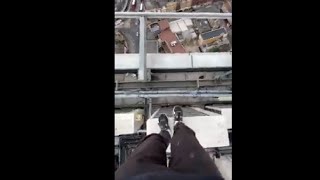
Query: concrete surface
x=205, y=60
x=210, y=130
x=187, y=112
x=152, y=46
x=224, y=164
x=164, y=61
x=125, y=123
x=175, y=61
x=126, y=61
x=226, y=112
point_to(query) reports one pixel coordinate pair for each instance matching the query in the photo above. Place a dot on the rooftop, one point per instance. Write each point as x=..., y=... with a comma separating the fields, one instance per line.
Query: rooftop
x=215, y=33
x=180, y=25
x=163, y=24
x=154, y=27
x=202, y=24
x=167, y=36
x=152, y=46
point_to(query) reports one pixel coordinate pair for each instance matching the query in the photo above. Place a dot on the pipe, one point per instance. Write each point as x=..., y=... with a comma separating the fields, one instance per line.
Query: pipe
x=174, y=92
x=118, y=96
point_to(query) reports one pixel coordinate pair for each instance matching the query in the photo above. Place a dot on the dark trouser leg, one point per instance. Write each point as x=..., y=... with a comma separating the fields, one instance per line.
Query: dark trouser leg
x=149, y=156
x=187, y=155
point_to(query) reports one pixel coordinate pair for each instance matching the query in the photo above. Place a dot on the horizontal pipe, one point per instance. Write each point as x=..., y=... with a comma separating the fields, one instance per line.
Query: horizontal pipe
x=117, y=96
x=165, y=101
x=173, y=92
x=200, y=15
x=183, y=84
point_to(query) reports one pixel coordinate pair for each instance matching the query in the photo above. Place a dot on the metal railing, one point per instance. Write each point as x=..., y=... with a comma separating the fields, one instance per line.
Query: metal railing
x=198, y=15
x=142, y=72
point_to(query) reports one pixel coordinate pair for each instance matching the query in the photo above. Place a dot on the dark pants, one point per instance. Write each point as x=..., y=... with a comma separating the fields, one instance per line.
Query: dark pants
x=187, y=155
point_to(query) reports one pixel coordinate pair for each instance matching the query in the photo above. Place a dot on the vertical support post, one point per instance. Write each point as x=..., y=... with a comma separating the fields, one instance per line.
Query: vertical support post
x=142, y=72
x=117, y=85
x=146, y=113
x=146, y=109
x=150, y=107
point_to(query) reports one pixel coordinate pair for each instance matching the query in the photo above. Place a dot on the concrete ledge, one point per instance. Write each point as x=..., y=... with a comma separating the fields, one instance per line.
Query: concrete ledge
x=126, y=61
x=175, y=61
x=167, y=61
x=205, y=60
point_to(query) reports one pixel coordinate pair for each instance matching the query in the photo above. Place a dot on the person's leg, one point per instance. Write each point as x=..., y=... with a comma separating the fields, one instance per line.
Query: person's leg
x=149, y=156
x=187, y=155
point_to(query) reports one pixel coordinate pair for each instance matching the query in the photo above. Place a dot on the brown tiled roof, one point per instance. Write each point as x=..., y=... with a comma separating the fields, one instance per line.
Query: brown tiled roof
x=167, y=36
x=163, y=24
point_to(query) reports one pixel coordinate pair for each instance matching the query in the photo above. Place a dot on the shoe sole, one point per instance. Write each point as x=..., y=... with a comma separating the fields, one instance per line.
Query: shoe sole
x=168, y=127
x=179, y=111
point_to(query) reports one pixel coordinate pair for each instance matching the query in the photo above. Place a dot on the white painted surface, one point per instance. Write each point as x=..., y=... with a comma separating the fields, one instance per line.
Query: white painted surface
x=126, y=61
x=175, y=61
x=188, y=22
x=210, y=130
x=124, y=123
x=224, y=164
x=180, y=25
x=174, y=27
x=225, y=98
x=205, y=60
x=167, y=61
x=226, y=112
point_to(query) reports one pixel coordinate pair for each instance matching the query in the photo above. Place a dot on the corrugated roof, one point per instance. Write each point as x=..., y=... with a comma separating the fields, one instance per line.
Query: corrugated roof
x=174, y=27
x=182, y=26
x=188, y=22
x=211, y=34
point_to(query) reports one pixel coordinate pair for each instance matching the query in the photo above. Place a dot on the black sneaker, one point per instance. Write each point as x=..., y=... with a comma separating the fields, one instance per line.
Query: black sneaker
x=177, y=113
x=163, y=122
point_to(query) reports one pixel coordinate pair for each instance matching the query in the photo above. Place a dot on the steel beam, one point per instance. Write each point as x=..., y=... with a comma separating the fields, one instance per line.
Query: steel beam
x=177, y=93
x=150, y=107
x=142, y=73
x=174, y=92
x=198, y=15
x=164, y=101
x=169, y=95
x=173, y=84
